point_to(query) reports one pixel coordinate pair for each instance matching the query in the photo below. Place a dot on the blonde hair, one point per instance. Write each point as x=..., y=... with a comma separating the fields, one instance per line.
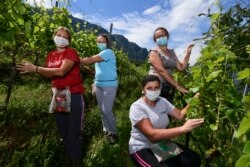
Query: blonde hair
x=64, y=29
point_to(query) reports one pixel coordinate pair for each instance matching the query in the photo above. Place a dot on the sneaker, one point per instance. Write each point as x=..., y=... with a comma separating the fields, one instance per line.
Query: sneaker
x=112, y=138
x=67, y=161
x=76, y=162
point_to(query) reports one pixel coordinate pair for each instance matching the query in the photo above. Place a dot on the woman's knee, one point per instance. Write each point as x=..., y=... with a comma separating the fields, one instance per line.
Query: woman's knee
x=192, y=158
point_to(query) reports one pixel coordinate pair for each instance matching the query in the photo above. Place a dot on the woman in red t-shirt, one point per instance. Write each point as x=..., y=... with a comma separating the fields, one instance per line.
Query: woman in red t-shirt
x=63, y=67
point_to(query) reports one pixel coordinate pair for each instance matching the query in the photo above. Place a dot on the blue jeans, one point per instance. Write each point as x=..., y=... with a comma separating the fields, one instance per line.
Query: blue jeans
x=105, y=98
x=70, y=126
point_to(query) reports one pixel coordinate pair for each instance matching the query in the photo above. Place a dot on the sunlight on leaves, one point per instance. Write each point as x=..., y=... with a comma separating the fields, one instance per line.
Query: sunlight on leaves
x=244, y=126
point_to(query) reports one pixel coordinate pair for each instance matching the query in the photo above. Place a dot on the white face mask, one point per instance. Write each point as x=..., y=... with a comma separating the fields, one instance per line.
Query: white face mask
x=153, y=95
x=61, y=42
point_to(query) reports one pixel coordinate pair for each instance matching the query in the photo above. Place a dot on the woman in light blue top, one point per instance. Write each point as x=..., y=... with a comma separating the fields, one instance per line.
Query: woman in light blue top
x=106, y=84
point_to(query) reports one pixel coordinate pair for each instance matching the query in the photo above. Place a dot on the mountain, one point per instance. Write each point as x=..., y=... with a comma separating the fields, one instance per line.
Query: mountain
x=135, y=53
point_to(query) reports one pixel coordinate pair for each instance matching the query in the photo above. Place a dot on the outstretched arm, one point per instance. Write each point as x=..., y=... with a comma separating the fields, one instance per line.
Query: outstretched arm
x=91, y=60
x=155, y=135
x=182, y=65
x=180, y=113
x=27, y=67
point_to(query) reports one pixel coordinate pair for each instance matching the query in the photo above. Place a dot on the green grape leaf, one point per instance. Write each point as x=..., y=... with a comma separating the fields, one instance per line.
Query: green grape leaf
x=213, y=75
x=214, y=17
x=18, y=18
x=11, y=24
x=244, y=126
x=220, y=59
x=52, y=26
x=20, y=7
x=213, y=126
x=246, y=148
x=244, y=161
x=246, y=99
x=244, y=73
x=36, y=29
x=194, y=101
x=194, y=90
x=27, y=28
x=32, y=45
x=230, y=113
x=188, y=100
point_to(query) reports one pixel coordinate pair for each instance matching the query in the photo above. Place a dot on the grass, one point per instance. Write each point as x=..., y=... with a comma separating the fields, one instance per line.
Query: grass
x=29, y=136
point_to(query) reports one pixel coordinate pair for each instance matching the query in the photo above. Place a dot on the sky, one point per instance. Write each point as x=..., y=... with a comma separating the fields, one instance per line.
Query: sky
x=137, y=19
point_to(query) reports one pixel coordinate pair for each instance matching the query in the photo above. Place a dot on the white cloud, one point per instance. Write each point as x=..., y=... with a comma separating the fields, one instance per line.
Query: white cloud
x=152, y=10
x=47, y=3
x=178, y=16
x=78, y=15
x=181, y=51
x=44, y=3
x=140, y=30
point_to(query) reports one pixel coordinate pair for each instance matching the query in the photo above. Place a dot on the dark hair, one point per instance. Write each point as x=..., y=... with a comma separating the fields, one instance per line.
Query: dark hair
x=149, y=78
x=65, y=29
x=161, y=28
x=106, y=38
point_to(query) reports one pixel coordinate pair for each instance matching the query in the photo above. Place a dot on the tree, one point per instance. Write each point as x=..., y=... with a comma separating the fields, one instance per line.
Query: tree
x=234, y=25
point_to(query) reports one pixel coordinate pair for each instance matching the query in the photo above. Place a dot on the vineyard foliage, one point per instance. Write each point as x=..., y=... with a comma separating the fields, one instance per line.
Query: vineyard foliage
x=28, y=133
x=219, y=76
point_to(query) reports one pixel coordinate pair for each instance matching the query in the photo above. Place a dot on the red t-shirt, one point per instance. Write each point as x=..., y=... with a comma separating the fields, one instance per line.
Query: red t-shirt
x=73, y=77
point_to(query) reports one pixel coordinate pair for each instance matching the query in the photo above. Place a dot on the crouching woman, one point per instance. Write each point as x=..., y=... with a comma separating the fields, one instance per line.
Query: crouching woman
x=150, y=144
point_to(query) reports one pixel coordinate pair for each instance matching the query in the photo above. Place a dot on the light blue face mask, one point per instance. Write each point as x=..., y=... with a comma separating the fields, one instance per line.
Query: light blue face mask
x=102, y=46
x=162, y=41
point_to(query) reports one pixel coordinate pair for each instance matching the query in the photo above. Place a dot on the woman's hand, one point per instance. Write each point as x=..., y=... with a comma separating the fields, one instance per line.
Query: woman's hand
x=196, y=95
x=84, y=60
x=189, y=49
x=190, y=124
x=181, y=89
x=91, y=60
x=26, y=67
x=93, y=90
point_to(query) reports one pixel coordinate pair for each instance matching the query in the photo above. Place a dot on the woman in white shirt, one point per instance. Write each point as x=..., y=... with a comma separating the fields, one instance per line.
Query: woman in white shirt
x=149, y=118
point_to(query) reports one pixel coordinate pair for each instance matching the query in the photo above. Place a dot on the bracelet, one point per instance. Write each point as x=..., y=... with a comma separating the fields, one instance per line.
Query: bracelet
x=36, y=69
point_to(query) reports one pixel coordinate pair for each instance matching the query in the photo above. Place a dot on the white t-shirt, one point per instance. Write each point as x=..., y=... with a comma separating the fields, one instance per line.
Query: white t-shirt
x=158, y=116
